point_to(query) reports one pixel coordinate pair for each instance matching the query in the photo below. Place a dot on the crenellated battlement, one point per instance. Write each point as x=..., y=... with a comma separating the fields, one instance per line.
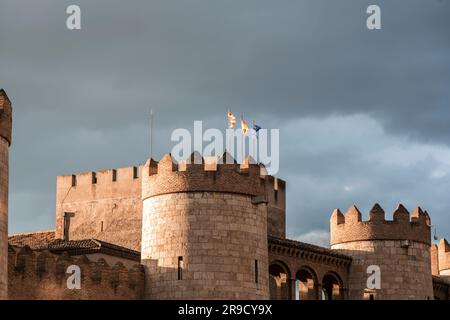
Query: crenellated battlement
x=404, y=226
x=443, y=249
x=103, y=179
x=35, y=269
x=211, y=175
x=104, y=204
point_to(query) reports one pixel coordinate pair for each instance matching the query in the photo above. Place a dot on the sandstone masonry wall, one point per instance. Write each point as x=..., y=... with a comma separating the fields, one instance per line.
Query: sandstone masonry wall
x=444, y=259
x=106, y=204
x=3, y=217
x=40, y=275
x=219, y=237
x=401, y=248
x=405, y=272
x=204, y=232
x=5, y=141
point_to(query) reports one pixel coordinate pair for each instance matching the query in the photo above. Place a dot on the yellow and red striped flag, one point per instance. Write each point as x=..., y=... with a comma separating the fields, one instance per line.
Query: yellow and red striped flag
x=231, y=120
x=244, y=126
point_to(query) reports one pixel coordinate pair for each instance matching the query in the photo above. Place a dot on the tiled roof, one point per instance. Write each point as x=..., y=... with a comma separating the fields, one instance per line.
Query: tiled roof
x=45, y=240
x=307, y=247
x=32, y=239
x=78, y=247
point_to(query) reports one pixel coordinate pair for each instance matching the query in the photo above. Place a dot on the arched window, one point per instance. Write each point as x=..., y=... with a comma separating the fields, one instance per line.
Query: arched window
x=306, y=284
x=278, y=282
x=331, y=287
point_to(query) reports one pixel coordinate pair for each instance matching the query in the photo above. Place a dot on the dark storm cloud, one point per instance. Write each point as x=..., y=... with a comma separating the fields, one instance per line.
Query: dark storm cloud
x=82, y=97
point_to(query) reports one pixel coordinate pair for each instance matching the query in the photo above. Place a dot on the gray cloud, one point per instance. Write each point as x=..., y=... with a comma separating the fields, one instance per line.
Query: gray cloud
x=82, y=98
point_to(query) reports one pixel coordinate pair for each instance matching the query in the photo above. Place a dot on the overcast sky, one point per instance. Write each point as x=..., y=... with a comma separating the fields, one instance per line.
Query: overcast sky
x=364, y=116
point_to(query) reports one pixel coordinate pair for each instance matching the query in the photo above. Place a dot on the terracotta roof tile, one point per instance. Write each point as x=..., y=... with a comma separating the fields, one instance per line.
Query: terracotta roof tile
x=32, y=239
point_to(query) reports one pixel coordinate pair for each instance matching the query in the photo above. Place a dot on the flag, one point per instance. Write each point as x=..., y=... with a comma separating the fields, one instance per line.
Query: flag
x=255, y=129
x=231, y=120
x=244, y=126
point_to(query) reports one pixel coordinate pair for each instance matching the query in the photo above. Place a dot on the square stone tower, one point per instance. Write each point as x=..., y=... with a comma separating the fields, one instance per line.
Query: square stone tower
x=5, y=142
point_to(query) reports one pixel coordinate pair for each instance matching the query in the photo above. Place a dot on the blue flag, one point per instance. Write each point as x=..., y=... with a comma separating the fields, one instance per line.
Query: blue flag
x=256, y=128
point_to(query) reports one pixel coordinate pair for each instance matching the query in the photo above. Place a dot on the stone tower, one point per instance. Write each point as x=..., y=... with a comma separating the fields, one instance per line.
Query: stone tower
x=204, y=230
x=400, y=248
x=444, y=259
x=5, y=142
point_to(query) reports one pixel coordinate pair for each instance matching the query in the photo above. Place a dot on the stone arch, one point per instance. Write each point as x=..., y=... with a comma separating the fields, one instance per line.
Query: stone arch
x=306, y=284
x=332, y=286
x=279, y=276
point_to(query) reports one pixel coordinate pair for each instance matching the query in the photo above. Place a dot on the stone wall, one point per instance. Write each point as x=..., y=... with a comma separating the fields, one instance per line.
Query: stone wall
x=434, y=260
x=300, y=266
x=40, y=275
x=5, y=117
x=3, y=216
x=106, y=205
x=218, y=237
x=5, y=141
x=276, y=207
x=348, y=228
x=405, y=272
x=444, y=259
x=401, y=248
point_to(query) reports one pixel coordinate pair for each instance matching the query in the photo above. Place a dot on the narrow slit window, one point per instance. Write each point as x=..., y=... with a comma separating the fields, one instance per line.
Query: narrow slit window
x=135, y=173
x=180, y=268
x=74, y=180
x=114, y=175
x=101, y=227
x=94, y=178
x=256, y=271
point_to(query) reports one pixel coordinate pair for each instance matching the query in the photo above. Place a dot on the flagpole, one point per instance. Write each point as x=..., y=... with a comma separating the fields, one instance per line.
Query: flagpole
x=243, y=139
x=253, y=140
x=229, y=140
x=151, y=133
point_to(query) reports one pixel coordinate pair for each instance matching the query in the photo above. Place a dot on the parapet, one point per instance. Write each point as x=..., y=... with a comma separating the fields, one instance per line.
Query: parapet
x=443, y=256
x=350, y=227
x=30, y=270
x=5, y=116
x=105, y=181
x=211, y=175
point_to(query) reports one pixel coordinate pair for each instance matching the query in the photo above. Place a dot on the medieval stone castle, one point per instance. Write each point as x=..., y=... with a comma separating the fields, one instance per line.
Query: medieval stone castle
x=166, y=230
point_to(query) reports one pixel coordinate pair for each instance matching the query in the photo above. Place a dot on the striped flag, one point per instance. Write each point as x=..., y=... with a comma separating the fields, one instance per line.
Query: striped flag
x=244, y=126
x=231, y=120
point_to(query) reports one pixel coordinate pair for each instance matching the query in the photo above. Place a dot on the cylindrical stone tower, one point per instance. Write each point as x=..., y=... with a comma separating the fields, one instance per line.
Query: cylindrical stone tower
x=204, y=231
x=5, y=142
x=399, y=250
